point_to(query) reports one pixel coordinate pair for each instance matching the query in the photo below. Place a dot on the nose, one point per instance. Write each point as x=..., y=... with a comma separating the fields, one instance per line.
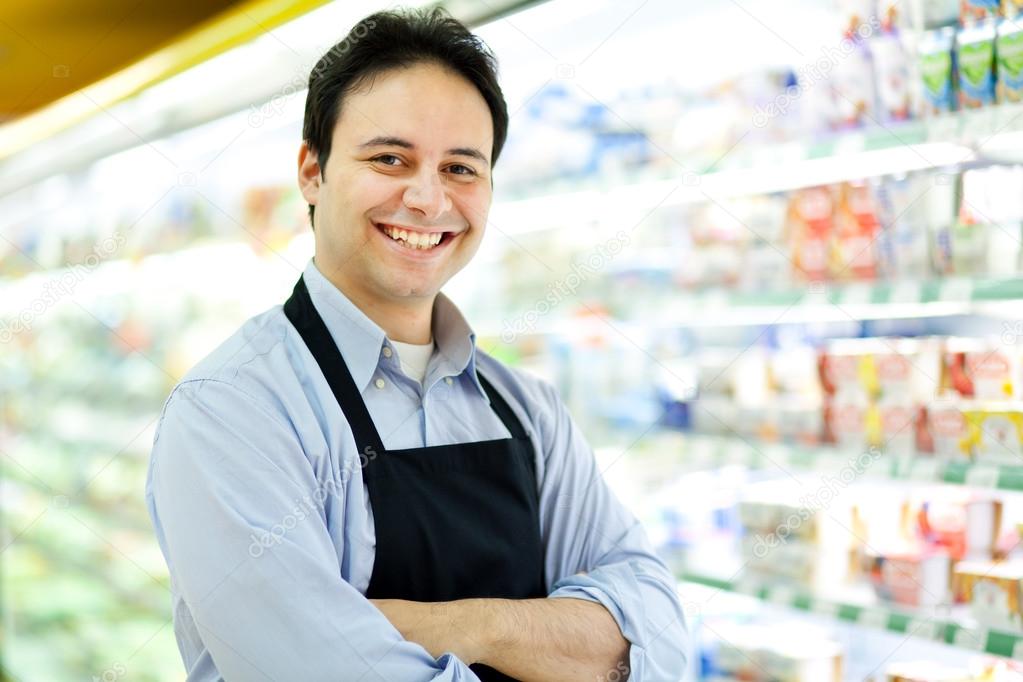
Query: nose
x=427, y=194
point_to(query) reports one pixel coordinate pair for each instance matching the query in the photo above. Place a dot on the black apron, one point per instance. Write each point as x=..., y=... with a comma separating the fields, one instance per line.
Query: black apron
x=452, y=521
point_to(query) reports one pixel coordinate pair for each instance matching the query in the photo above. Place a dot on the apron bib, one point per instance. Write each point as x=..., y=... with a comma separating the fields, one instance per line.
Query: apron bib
x=452, y=521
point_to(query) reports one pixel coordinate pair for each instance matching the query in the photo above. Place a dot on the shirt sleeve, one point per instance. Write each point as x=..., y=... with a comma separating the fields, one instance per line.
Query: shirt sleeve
x=238, y=513
x=597, y=550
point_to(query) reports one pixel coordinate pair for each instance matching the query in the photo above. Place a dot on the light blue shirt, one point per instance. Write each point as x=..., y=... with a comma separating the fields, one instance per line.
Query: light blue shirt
x=255, y=491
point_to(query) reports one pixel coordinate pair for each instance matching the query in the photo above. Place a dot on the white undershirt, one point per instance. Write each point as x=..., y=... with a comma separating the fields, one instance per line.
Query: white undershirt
x=414, y=358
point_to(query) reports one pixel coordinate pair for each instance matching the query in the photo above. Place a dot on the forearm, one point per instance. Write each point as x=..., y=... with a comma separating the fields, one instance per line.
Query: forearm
x=533, y=640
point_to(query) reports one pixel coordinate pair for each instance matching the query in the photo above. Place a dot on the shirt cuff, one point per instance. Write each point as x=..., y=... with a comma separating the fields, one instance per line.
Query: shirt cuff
x=657, y=638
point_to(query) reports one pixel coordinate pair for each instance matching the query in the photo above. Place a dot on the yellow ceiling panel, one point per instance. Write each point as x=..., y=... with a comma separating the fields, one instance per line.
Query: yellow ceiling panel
x=50, y=48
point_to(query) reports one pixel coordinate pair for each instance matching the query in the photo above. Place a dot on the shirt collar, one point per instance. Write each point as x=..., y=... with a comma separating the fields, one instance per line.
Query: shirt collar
x=361, y=340
x=456, y=341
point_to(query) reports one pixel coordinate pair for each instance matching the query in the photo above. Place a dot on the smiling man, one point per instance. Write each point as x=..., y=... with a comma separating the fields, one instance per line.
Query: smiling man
x=348, y=488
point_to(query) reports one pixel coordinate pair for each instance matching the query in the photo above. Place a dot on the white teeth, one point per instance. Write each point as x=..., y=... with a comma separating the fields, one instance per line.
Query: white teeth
x=413, y=240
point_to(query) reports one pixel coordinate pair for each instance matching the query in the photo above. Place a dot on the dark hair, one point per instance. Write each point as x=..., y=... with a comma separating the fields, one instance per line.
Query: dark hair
x=390, y=40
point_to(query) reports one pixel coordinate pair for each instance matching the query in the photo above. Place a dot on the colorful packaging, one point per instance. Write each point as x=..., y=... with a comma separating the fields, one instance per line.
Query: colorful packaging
x=852, y=423
x=937, y=68
x=994, y=372
x=982, y=369
x=855, y=233
x=1009, y=50
x=974, y=11
x=996, y=432
x=975, y=60
x=891, y=76
x=948, y=431
x=902, y=246
x=897, y=422
x=810, y=223
x=926, y=671
x=992, y=589
x=912, y=578
x=852, y=88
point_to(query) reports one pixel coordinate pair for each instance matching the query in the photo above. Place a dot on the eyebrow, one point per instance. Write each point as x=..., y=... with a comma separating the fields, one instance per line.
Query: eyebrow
x=388, y=141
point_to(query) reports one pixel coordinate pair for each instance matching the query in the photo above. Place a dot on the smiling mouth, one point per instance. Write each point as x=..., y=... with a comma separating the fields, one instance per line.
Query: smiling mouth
x=416, y=241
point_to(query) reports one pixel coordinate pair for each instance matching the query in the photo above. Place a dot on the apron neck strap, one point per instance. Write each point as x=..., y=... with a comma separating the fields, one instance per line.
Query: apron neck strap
x=303, y=315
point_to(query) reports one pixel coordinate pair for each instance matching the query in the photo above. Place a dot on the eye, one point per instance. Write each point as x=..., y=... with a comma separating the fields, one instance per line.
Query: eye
x=386, y=159
x=459, y=169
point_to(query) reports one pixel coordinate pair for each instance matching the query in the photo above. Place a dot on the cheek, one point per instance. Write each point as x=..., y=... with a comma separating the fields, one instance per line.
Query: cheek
x=474, y=205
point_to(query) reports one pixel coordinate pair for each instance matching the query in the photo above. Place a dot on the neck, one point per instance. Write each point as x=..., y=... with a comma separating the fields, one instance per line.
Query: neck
x=405, y=321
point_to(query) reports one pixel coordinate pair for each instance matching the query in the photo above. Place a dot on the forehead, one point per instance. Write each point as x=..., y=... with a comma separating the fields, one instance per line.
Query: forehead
x=426, y=104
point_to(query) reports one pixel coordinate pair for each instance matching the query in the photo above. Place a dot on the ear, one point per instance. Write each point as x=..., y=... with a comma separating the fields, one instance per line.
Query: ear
x=309, y=178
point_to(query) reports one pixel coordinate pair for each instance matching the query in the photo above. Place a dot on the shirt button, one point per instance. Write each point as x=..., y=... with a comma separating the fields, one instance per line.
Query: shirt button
x=379, y=383
x=448, y=381
x=387, y=352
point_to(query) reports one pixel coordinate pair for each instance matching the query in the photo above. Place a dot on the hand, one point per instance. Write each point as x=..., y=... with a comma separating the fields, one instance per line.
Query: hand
x=439, y=627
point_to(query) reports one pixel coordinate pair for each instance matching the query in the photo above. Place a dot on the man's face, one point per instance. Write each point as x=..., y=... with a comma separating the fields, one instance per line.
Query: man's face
x=410, y=154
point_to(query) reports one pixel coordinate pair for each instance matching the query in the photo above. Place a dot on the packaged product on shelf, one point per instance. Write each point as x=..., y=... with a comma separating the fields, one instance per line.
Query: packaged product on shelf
x=851, y=422
x=975, y=61
x=974, y=11
x=996, y=431
x=852, y=88
x=1009, y=51
x=964, y=526
x=987, y=239
x=911, y=578
x=935, y=63
x=847, y=368
x=902, y=245
x=981, y=368
x=926, y=671
x=992, y=589
x=856, y=14
x=949, y=435
x=786, y=652
x=766, y=264
x=908, y=369
x=897, y=418
x=892, y=68
x=809, y=224
x=855, y=233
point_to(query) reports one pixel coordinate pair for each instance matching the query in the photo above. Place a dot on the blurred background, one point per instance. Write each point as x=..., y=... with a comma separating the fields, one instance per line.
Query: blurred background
x=769, y=253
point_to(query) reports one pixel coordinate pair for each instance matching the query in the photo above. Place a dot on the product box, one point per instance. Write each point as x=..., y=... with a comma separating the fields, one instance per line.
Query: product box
x=897, y=420
x=926, y=671
x=1009, y=51
x=781, y=652
x=851, y=423
x=892, y=66
x=946, y=424
x=994, y=372
x=809, y=225
x=911, y=578
x=981, y=368
x=852, y=87
x=937, y=69
x=855, y=233
x=992, y=589
x=996, y=432
x=975, y=60
x=974, y=11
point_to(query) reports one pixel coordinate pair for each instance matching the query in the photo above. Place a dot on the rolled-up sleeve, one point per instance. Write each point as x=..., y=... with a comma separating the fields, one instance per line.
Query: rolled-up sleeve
x=597, y=550
x=238, y=513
